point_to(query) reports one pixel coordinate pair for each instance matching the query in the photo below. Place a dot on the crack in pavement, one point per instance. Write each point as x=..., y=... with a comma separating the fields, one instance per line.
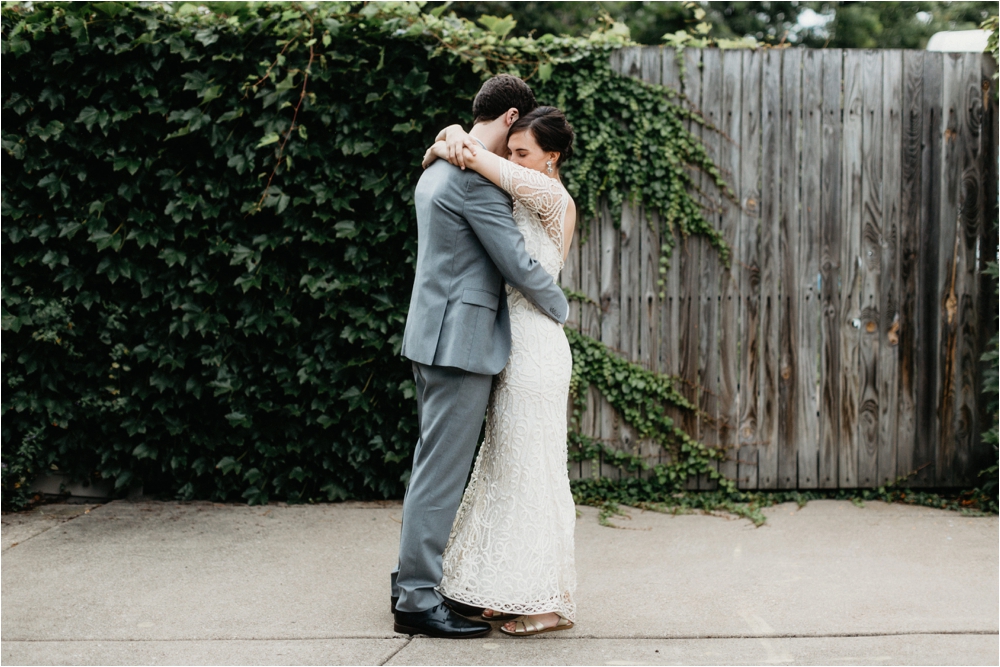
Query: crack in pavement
x=58, y=522
x=396, y=652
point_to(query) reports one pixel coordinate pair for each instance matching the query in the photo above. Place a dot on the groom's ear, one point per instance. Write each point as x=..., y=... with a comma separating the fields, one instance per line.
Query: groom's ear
x=510, y=117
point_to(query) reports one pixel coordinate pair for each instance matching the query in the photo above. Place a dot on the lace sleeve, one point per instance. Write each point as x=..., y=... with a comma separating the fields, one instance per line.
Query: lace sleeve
x=537, y=192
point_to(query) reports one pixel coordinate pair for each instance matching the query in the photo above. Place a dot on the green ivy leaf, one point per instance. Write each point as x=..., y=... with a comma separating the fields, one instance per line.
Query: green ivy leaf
x=144, y=451
x=173, y=256
x=228, y=464
x=112, y=9
x=500, y=27
x=90, y=116
x=270, y=138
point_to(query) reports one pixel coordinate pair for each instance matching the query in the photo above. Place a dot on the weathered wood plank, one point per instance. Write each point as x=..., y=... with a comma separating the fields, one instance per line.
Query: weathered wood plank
x=590, y=324
x=569, y=278
x=928, y=319
x=730, y=161
x=954, y=116
x=629, y=61
x=909, y=248
x=869, y=267
x=770, y=271
x=750, y=270
x=649, y=265
x=615, y=60
x=830, y=270
x=670, y=334
x=603, y=421
x=888, y=343
x=708, y=352
x=630, y=300
x=628, y=282
x=806, y=430
x=610, y=324
x=788, y=406
x=850, y=267
x=969, y=231
x=630, y=304
x=690, y=262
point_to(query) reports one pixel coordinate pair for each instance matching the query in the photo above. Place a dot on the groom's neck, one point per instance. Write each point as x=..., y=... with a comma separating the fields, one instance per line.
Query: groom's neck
x=491, y=134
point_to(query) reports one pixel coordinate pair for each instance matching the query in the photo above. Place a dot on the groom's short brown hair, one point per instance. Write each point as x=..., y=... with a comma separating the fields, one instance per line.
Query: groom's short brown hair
x=500, y=93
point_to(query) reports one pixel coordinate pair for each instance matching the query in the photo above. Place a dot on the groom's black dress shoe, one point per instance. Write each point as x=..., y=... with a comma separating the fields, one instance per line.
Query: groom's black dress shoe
x=460, y=607
x=441, y=622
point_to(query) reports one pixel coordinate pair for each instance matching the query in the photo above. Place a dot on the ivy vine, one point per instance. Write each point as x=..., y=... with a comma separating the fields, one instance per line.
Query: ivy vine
x=641, y=398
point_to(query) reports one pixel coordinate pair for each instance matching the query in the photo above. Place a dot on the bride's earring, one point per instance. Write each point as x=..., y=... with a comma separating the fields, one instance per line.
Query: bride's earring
x=548, y=166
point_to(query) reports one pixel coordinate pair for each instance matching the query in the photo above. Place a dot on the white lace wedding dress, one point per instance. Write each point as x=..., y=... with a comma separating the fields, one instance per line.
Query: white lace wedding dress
x=511, y=546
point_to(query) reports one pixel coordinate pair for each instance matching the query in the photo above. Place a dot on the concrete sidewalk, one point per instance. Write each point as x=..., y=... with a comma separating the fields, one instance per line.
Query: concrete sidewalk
x=198, y=583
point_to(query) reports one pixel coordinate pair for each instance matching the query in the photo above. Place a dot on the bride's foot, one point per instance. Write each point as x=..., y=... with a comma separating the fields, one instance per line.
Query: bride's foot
x=536, y=624
x=493, y=615
x=533, y=622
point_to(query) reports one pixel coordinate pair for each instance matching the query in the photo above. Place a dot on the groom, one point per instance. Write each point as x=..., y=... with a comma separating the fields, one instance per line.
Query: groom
x=457, y=338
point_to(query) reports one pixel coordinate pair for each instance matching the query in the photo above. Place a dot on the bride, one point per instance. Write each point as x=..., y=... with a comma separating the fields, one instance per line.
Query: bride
x=511, y=546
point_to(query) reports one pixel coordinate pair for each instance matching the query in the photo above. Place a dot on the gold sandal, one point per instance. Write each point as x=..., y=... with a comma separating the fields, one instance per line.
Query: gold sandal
x=497, y=615
x=525, y=627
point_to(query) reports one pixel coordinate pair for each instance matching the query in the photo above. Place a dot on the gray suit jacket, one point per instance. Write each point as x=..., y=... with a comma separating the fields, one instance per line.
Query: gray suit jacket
x=467, y=247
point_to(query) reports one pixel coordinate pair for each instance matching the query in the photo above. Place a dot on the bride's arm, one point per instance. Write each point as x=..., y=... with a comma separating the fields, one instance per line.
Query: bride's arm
x=461, y=150
x=479, y=160
x=532, y=189
x=476, y=158
x=524, y=184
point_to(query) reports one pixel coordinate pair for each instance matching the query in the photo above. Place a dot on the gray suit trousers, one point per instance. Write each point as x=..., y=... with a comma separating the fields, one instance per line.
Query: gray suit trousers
x=451, y=404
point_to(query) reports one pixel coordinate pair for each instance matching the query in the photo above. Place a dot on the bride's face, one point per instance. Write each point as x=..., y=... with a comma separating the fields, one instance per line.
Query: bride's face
x=525, y=151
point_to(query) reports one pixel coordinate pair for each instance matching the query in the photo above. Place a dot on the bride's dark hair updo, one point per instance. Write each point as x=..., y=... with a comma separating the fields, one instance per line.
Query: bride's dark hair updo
x=550, y=129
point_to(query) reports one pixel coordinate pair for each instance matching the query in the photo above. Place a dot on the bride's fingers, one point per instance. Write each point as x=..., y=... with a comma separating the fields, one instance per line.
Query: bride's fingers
x=455, y=155
x=466, y=146
x=461, y=153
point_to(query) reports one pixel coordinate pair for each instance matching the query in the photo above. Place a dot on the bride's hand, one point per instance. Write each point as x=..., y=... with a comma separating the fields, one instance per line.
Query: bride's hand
x=437, y=150
x=457, y=141
x=442, y=150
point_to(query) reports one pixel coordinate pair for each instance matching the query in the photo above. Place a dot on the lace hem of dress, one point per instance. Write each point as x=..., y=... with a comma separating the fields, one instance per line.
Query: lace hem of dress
x=562, y=605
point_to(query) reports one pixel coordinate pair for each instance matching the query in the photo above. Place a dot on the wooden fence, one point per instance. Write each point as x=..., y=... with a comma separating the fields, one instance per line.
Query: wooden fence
x=842, y=347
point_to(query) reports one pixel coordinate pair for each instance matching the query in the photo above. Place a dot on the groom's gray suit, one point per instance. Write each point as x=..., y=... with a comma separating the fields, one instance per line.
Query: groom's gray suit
x=457, y=338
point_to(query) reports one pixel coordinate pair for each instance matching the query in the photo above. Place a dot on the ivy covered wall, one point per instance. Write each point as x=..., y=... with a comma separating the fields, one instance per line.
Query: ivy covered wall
x=209, y=239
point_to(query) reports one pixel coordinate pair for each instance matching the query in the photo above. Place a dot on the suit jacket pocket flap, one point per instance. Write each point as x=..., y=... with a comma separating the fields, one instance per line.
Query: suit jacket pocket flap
x=478, y=297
